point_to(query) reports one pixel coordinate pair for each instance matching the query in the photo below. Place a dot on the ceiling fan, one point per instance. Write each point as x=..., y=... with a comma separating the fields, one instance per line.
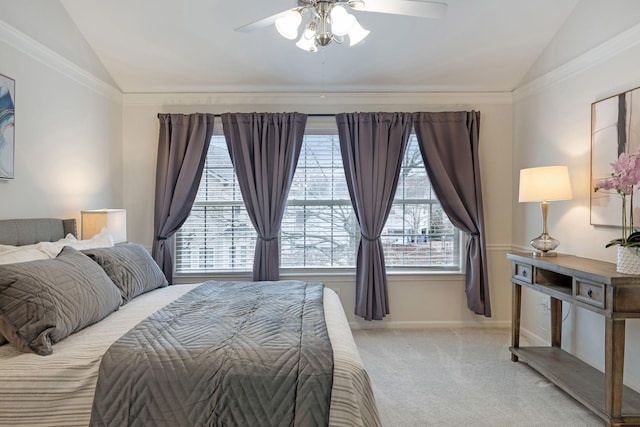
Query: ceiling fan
x=329, y=20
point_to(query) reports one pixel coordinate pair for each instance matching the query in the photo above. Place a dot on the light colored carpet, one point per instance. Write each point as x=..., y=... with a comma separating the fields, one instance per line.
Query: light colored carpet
x=461, y=377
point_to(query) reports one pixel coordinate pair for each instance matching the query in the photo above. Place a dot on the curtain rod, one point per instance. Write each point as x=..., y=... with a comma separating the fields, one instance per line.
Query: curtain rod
x=309, y=115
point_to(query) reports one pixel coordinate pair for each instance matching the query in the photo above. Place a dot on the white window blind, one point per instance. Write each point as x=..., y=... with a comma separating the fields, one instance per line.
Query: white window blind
x=319, y=228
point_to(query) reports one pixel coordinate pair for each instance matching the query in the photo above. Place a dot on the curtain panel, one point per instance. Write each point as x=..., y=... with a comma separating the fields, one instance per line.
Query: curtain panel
x=372, y=146
x=264, y=150
x=182, y=150
x=449, y=146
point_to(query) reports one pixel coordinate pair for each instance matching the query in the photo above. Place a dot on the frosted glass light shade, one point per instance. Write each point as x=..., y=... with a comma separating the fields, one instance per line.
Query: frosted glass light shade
x=115, y=220
x=545, y=183
x=357, y=34
x=287, y=25
x=341, y=21
x=307, y=43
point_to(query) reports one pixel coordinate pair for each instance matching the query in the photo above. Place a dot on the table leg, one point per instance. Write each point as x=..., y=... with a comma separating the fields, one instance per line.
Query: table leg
x=516, y=304
x=556, y=322
x=614, y=365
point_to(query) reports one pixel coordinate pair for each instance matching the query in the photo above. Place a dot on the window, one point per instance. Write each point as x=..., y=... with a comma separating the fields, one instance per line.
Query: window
x=218, y=235
x=319, y=228
x=418, y=233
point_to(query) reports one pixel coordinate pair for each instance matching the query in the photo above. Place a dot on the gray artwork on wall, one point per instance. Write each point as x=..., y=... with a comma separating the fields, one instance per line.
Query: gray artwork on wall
x=7, y=127
x=615, y=129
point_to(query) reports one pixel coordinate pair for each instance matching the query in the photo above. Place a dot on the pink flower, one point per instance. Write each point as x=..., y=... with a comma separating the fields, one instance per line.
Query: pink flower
x=626, y=174
x=623, y=179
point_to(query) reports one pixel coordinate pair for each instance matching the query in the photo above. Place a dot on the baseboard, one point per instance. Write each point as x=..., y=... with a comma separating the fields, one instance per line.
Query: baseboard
x=427, y=324
x=533, y=339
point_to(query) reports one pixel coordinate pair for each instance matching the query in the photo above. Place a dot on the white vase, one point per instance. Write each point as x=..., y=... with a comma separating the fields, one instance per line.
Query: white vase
x=628, y=261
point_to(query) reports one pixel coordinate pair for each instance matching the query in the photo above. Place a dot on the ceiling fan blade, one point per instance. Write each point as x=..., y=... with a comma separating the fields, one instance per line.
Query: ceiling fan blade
x=261, y=23
x=424, y=9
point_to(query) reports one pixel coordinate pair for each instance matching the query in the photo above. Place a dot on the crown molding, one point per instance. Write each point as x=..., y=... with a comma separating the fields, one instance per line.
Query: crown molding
x=318, y=101
x=596, y=56
x=36, y=50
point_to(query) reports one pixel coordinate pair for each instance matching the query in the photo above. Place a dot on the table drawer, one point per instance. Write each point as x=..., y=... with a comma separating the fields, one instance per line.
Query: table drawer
x=523, y=272
x=589, y=292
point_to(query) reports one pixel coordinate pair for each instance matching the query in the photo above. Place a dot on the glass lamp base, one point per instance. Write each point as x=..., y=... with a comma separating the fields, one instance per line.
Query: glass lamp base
x=544, y=245
x=544, y=254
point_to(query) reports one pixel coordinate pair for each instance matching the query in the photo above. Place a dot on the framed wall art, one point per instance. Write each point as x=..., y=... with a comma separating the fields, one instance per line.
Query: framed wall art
x=7, y=126
x=615, y=129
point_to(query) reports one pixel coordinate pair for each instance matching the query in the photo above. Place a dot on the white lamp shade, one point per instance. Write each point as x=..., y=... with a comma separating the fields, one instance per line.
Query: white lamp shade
x=341, y=21
x=287, y=25
x=114, y=220
x=357, y=34
x=545, y=184
x=306, y=43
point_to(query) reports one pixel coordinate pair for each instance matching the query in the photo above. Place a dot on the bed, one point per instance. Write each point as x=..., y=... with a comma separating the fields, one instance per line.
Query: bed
x=63, y=388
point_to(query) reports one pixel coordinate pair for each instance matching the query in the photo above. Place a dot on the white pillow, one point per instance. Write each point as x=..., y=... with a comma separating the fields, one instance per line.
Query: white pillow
x=22, y=254
x=8, y=248
x=104, y=239
x=68, y=238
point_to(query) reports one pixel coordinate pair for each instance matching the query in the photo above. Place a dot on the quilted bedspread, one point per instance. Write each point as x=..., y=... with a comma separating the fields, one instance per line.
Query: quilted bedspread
x=224, y=354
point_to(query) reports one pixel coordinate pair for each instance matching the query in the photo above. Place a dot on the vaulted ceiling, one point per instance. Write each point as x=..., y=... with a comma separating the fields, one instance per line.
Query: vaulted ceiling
x=191, y=46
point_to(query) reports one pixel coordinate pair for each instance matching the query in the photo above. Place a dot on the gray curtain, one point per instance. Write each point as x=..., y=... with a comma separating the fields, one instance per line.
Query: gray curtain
x=182, y=150
x=449, y=146
x=264, y=150
x=372, y=146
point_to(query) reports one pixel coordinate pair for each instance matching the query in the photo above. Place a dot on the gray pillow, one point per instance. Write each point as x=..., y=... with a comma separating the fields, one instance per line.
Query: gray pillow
x=44, y=301
x=131, y=268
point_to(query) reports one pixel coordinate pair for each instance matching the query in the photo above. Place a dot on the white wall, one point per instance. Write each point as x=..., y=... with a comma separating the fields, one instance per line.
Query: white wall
x=68, y=131
x=414, y=300
x=552, y=116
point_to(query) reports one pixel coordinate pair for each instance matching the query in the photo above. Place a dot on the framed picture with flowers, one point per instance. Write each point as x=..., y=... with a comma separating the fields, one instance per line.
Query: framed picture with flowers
x=615, y=147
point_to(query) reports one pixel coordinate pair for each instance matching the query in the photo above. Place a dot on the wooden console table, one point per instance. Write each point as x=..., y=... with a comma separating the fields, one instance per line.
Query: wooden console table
x=595, y=286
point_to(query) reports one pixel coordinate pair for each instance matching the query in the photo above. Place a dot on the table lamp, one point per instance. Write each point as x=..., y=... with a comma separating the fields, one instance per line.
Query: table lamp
x=115, y=220
x=544, y=184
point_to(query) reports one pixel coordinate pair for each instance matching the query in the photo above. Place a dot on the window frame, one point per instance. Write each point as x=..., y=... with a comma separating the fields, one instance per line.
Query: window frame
x=322, y=125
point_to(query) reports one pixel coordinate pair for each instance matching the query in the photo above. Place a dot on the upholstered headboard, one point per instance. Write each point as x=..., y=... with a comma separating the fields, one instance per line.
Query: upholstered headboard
x=19, y=232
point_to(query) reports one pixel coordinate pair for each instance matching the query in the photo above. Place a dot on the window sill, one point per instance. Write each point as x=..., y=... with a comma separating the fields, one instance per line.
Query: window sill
x=319, y=275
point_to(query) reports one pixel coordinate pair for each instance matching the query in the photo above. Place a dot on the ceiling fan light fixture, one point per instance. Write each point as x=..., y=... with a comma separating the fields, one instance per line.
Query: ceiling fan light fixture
x=327, y=21
x=310, y=30
x=287, y=25
x=341, y=21
x=324, y=39
x=357, y=34
x=308, y=44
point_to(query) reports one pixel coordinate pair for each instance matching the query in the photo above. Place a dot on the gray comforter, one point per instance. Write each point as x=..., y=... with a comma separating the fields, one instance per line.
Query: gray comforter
x=224, y=354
